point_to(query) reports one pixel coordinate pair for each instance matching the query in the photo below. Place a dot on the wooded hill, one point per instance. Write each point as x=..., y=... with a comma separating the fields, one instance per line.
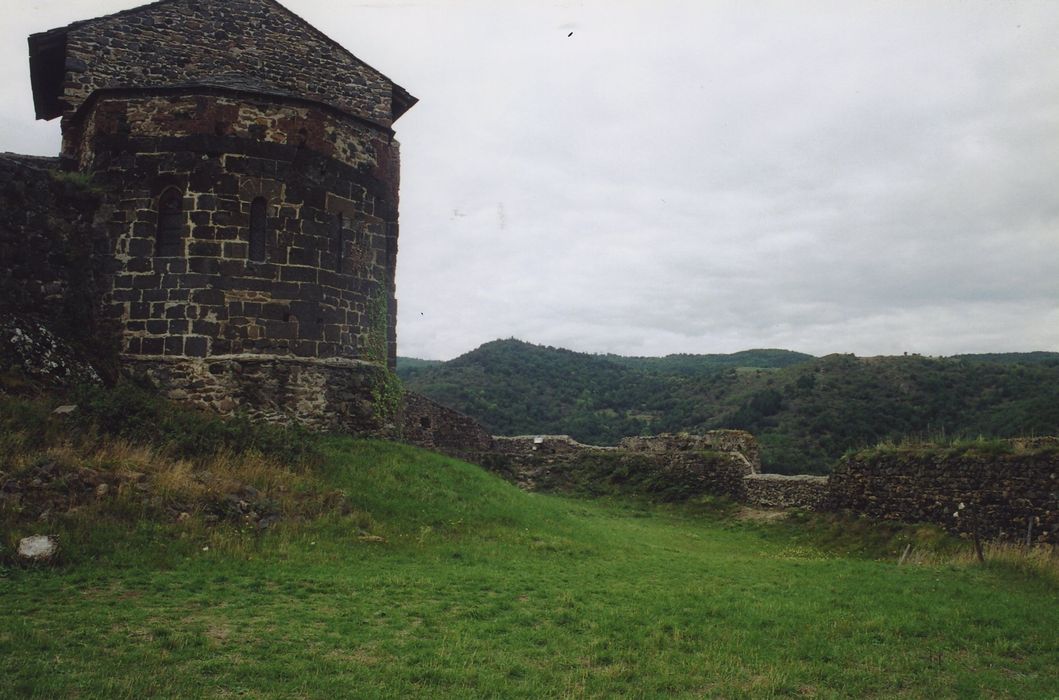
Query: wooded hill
x=805, y=410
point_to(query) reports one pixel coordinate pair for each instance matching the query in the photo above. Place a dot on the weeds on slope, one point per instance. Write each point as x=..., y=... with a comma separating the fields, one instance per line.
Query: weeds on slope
x=124, y=459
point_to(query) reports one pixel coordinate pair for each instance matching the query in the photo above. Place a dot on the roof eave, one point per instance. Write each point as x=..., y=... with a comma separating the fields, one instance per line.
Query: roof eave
x=47, y=70
x=402, y=101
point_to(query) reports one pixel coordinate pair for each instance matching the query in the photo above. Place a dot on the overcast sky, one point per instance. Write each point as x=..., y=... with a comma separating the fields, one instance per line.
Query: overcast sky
x=649, y=177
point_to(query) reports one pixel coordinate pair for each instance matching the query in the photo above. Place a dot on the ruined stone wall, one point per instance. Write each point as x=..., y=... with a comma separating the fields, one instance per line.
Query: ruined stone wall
x=542, y=446
x=51, y=268
x=325, y=287
x=783, y=491
x=184, y=41
x=738, y=441
x=1001, y=490
x=426, y=423
x=663, y=470
x=45, y=225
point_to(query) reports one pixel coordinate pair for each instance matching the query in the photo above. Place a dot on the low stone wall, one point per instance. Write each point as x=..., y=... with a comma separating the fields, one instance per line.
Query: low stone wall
x=660, y=469
x=426, y=423
x=783, y=491
x=1001, y=491
x=542, y=446
x=319, y=394
x=737, y=441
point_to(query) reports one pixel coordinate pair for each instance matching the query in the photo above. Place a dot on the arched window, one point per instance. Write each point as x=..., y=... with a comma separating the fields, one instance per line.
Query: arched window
x=340, y=242
x=258, y=229
x=169, y=236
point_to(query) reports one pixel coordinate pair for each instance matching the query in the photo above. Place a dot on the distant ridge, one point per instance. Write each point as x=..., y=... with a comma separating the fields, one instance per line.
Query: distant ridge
x=682, y=362
x=805, y=410
x=405, y=363
x=758, y=358
x=1011, y=358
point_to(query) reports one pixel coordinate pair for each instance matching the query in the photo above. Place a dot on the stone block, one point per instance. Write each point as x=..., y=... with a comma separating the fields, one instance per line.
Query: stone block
x=289, y=273
x=195, y=346
x=174, y=345
x=211, y=297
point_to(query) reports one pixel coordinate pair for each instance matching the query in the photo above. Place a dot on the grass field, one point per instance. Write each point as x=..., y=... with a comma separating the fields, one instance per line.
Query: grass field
x=440, y=580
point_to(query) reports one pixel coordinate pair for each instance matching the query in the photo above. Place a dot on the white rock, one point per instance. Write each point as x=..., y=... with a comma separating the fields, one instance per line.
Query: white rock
x=37, y=547
x=64, y=410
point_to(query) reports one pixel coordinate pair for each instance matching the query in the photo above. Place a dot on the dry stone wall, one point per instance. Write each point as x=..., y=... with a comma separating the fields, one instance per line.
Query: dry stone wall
x=427, y=424
x=737, y=441
x=783, y=491
x=668, y=467
x=1002, y=491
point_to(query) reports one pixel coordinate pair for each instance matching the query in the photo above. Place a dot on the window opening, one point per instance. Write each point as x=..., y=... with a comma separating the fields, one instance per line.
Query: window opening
x=340, y=242
x=258, y=229
x=169, y=236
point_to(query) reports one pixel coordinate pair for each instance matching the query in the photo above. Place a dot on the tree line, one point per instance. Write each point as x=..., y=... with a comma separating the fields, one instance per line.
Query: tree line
x=806, y=411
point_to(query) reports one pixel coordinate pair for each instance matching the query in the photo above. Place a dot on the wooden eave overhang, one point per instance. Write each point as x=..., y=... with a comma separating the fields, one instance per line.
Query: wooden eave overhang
x=48, y=64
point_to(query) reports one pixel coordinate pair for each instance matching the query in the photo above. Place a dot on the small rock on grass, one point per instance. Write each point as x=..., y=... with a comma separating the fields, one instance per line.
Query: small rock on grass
x=37, y=548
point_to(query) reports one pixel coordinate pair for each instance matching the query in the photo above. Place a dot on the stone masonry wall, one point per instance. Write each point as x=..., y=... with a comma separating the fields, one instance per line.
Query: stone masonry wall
x=228, y=207
x=783, y=491
x=184, y=41
x=427, y=424
x=737, y=441
x=326, y=395
x=326, y=285
x=51, y=267
x=659, y=468
x=1001, y=491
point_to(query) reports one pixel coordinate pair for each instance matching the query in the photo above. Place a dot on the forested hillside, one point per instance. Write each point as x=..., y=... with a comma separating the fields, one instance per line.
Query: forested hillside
x=806, y=411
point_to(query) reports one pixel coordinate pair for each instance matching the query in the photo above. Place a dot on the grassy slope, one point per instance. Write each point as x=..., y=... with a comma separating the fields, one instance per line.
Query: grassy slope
x=480, y=590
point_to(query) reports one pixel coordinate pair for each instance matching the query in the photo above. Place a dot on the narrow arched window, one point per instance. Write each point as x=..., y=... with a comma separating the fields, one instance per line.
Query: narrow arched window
x=340, y=242
x=169, y=236
x=258, y=229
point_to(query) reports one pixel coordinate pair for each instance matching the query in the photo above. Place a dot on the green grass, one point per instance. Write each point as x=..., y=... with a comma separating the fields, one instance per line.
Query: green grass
x=943, y=445
x=80, y=180
x=442, y=581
